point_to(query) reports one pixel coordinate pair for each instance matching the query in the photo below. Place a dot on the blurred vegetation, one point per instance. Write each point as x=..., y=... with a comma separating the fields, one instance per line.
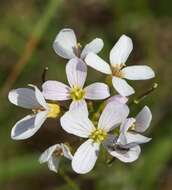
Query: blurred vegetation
x=27, y=31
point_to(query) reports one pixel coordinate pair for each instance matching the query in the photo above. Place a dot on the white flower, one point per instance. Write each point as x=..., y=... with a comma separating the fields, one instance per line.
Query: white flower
x=76, y=71
x=118, y=69
x=126, y=147
x=34, y=100
x=78, y=123
x=53, y=154
x=66, y=46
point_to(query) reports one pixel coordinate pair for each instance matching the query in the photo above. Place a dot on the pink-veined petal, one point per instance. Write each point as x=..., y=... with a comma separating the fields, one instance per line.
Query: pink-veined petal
x=24, y=97
x=94, y=46
x=123, y=130
x=118, y=99
x=126, y=156
x=122, y=87
x=76, y=71
x=97, y=91
x=64, y=43
x=77, y=123
x=136, y=138
x=79, y=106
x=143, y=119
x=138, y=72
x=127, y=124
x=112, y=115
x=28, y=126
x=85, y=157
x=121, y=50
x=98, y=63
x=39, y=97
x=54, y=90
x=127, y=153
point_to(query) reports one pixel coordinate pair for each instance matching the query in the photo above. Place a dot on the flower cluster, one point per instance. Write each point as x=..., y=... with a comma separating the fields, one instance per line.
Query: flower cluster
x=110, y=126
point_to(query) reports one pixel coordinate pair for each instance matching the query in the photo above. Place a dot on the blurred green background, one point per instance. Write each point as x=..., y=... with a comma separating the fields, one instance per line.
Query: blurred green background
x=27, y=30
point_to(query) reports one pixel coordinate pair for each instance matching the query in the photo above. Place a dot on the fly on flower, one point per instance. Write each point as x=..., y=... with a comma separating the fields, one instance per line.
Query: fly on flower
x=76, y=71
x=125, y=146
x=66, y=45
x=117, y=68
x=78, y=123
x=53, y=154
x=41, y=110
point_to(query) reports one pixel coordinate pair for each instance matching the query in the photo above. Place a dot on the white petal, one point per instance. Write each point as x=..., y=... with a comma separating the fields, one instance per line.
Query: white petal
x=143, y=119
x=77, y=123
x=94, y=46
x=24, y=97
x=123, y=130
x=126, y=125
x=129, y=155
x=40, y=118
x=97, y=63
x=40, y=97
x=138, y=72
x=112, y=115
x=136, y=138
x=85, y=157
x=122, y=87
x=66, y=151
x=64, y=43
x=79, y=106
x=53, y=163
x=45, y=156
x=118, y=98
x=121, y=50
x=97, y=91
x=76, y=71
x=28, y=126
x=54, y=90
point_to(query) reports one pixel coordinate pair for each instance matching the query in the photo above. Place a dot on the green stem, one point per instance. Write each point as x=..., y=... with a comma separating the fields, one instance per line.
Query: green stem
x=145, y=94
x=97, y=114
x=68, y=180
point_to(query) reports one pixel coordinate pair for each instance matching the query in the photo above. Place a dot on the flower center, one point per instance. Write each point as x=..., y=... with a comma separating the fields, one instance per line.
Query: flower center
x=77, y=49
x=98, y=135
x=117, y=70
x=58, y=152
x=133, y=126
x=79, y=46
x=54, y=110
x=77, y=93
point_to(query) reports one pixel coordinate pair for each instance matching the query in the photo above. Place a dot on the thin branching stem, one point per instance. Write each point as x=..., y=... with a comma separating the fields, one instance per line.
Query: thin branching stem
x=144, y=94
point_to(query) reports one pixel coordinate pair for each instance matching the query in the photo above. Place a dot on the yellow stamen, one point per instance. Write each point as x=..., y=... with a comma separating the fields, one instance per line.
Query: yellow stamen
x=54, y=110
x=77, y=93
x=98, y=135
